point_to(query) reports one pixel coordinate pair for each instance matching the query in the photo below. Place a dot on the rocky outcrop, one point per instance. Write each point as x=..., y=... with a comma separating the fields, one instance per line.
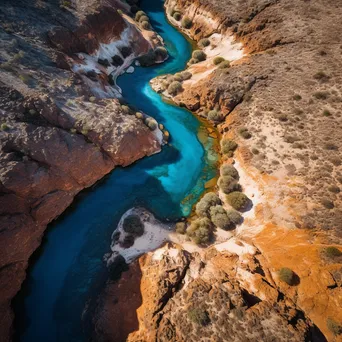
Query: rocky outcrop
x=223, y=292
x=60, y=131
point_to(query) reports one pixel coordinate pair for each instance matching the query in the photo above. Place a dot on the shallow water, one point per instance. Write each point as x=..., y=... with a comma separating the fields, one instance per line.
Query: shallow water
x=68, y=267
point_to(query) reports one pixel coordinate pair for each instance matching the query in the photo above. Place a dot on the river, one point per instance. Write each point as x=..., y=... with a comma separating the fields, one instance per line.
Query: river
x=67, y=268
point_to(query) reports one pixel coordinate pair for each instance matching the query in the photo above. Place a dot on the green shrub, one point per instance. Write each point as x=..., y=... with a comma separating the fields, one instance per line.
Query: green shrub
x=229, y=170
x=217, y=60
x=334, y=327
x=178, y=77
x=326, y=112
x=224, y=65
x=321, y=95
x=297, y=97
x=92, y=98
x=204, y=42
x=139, y=115
x=151, y=124
x=186, y=22
x=198, y=316
x=161, y=51
x=219, y=217
x=200, y=231
x=245, y=133
x=174, y=88
x=133, y=225
x=238, y=200
x=193, y=61
x=209, y=200
x=181, y=227
x=332, y=252
x=327, y=203
x=234, y=217
x=334, y=189
x=228, y=146
x=4, y=127
x=145, y=25
x=199, y=55
x=286, y=275
x=214, y=115
x=186, y=75
x=321, y=76
x=177, y=16
x=228, y=184
x=125, y=109
x=139, y=14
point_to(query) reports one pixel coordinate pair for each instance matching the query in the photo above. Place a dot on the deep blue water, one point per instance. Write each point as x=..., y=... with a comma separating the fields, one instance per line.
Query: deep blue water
x=68, y=266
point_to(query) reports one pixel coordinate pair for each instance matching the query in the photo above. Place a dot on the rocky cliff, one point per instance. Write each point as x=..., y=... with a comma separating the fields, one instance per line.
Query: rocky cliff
x=61, y=130
x=277, y=94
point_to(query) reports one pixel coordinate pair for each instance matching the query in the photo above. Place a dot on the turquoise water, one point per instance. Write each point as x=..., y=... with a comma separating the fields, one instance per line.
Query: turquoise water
x=68, y=268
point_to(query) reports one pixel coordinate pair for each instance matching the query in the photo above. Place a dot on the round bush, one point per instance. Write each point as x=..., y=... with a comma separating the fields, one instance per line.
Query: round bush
x=193, y=61
x=229, y=170
x=125, y=109
x=177, y=16
x=224, y=65
x=234, y=217
x=204, y=42
x=139, y=115
x=228, y=146
x=181, y=227
x=218, y=60
x=332, y=252
x=214, y=115
x=186, y=75
x=178, y=77
x=238, y=200
x=139, y=14
x=160, y=51
x=174, y=88
x=207, y=201
x=133, y=225
x=200, y=231
x=186, y=22
x=334, y=327
x=145, y=25
x=228, y=184
x=199, y=316
x=151, y=124
x=219, y=217
x=199, y=55
x=244, y=133
x=286, y=275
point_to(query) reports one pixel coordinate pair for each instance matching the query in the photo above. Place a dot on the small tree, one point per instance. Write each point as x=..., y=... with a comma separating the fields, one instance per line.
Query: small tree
x=186, y=75
x=286, y=275
x=229, y=170
x=204, y=42
x=186, y=22
x=177, y=16
x=200, y=231
x=219, y=217
x=228, y=184
x=181, y=227
x=332, y=252
x=139, y=14
x=161, y=51
x=214, y=115
x=334, y=327
x=151, y=124
x=198, y=316
x=238, y=200
x=145, y=25
x=228, y=146
x=174, y=88
x=199, y=55
x=207, y=201
x=217, y=60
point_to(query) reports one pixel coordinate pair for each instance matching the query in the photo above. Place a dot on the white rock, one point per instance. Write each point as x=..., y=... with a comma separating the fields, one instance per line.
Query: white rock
x=130, y=70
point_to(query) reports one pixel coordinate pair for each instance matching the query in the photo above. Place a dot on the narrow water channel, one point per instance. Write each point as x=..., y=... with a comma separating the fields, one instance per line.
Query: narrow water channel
x=65, y=270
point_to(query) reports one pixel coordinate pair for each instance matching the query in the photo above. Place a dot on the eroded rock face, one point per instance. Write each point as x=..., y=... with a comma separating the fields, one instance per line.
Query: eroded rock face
x=214, y=296
x=56, y=137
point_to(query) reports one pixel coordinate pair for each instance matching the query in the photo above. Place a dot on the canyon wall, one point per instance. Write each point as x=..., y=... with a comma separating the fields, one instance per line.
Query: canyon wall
x=61, y=130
